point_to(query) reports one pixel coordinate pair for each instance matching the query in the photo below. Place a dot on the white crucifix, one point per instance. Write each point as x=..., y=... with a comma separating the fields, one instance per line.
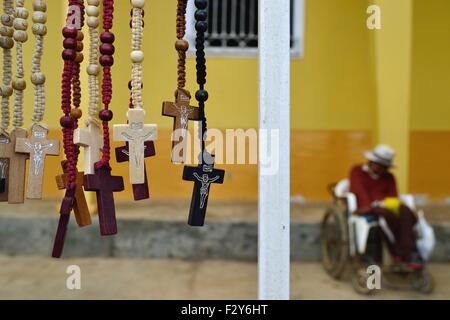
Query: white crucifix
x=38, y=147
x=136, y=133
x=92, y=142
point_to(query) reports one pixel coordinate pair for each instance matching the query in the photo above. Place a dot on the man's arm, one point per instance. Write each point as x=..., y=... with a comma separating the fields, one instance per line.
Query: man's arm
x=362, y=196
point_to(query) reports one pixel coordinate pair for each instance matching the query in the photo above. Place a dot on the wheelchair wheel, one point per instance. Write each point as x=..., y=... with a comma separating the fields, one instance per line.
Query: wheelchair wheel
x=359, y=281
x=422, y=281
x=334, y=242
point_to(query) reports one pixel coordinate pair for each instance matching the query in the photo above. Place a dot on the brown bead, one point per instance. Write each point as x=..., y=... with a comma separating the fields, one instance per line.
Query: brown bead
x=80, y=35
x=66, y=122
x=105, y=115
x=182, y=45
x=79, y=46
x=79, y=57
x=76, y=113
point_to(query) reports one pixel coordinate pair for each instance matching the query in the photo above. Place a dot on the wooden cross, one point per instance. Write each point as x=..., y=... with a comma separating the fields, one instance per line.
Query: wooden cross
x=80, y=206
x=203, y=176
x=105, y=185
x=136, y=133
x=16, y=165
x=140, y=191
x=38, y=147
x=4, y=163
x=182, y=112
x=92, y=142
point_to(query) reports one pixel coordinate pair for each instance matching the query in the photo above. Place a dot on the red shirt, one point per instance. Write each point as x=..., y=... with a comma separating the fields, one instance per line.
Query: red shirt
x=368, y=189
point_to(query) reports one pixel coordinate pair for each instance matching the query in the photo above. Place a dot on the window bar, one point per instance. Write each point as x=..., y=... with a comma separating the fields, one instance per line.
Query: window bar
x=251, y=28
x=215, y=25
x=223, y=32
x=233, y=21
x=242, y=34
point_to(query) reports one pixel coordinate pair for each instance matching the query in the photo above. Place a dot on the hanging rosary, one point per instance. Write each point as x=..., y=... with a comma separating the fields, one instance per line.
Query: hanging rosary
x=37, y=146
x=101, y=181
x=136, y=133
x=204, y=174
x=140, y=190
x=6, y=91
x=180, y=110
x=71, y=96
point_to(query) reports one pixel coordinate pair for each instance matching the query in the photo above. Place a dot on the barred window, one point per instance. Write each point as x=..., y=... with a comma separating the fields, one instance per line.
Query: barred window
x=233, y=27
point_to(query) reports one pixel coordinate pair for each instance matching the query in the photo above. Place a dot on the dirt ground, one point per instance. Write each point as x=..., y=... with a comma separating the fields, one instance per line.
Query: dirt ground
x=44, y=278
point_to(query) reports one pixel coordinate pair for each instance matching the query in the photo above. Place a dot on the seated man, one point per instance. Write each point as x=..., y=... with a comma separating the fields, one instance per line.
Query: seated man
x=376, y=192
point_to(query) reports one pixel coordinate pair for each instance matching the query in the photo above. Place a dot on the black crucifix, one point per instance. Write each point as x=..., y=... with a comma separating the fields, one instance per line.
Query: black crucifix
x=140, y=191
x=202, y=175
x=182, y=112
x=104, y=184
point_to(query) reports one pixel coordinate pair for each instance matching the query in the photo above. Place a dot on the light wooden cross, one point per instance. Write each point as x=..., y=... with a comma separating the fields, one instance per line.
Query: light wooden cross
x=92, y=142
x=80, y=206
x=182, y=112
x=17, y=165
x=38, y=147
x=136, y=133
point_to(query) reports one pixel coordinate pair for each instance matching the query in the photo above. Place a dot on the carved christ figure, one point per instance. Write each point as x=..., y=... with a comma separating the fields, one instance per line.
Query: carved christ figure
x=206, y=182
x=38, y=153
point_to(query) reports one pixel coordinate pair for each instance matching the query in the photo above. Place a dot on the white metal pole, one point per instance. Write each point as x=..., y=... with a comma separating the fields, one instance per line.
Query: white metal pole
x=274, y=114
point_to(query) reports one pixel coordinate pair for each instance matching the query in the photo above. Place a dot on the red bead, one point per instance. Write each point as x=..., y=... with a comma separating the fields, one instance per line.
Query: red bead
x=70, y=43
x=66, y=122
x=70, y=32
x=107, y=37
x=105, y=115
x=107, y=49
x=69, y=54
x=106, y=61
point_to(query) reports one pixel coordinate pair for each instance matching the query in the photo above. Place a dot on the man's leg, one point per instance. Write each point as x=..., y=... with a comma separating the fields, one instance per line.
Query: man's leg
x=406, y=239
x=393, y=224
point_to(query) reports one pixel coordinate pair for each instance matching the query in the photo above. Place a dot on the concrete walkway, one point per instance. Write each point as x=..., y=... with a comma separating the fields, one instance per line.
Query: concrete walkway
x=45, y=278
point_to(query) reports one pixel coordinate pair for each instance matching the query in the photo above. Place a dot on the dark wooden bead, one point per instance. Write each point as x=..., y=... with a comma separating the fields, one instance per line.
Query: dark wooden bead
x=70, y=43
x=79, y=57
x=107, y=37
x=70, y=32
x=201, y=95
x=201, y=26
x=106, y=61
x=66, y=122
x=79, y=46
x=80, y=35
x=201, y=4
x=201, y=15
x=69, y=54
x=182, y=45
x=107, y=49
x=105, y=115
x=76, y=113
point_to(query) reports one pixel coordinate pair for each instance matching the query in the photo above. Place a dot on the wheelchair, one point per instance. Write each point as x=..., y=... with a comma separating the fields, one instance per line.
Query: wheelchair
x=351, y=243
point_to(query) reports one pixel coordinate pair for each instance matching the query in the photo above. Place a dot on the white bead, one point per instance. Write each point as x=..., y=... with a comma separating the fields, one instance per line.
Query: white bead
x=6, y=91
x=92, y=22
x=20, y=36
x=138, y=3
x=39, y=5
x=92, y=69
x=20, y=24
x=7, y=20
x=137, y=56
x=38, y=78
x=39, y=29
x=6, y=31
x=39, y=17
x=92, y=11
x=21, y=13
x=93, y=3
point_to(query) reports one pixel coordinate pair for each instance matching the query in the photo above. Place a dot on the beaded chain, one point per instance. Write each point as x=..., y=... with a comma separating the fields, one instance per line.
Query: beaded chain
x=137, y=55
x=93, y=68
x=136, y=23
x=106, y=61
x=181, y=45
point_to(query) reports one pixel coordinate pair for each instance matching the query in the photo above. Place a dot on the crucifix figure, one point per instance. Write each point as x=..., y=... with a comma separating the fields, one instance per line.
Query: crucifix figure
x=16, y=165
x=140, y=191
x=203, y=176
x=38, y=147
x=80, y=206
x=182, y=112
x=105, y=185
x=92, y=142
x=136, y=133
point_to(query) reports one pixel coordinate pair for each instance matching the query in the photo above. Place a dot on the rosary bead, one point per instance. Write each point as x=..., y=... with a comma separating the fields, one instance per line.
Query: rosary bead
x=76, y=113
x=21, y=13
x=79, y=57
x=80, y=35
x=201, y=15
x=137, y=56
x=201, y=95
x=6, y=91
x=201, y=4
x=138, y=3
x=93, y=69
x=39, y=29
x=70, y=43
x=106, y=61
x=201, y=26
x=182, y=45
x=105, y=115
x=92, y=11
x=70, y=32
x=6, y=31
x=19, y=84
x=20, y=24
x=20, y=36
x=6, y=42
x=79, y=46
x=39, y=17
x=38, y=78
x=94, y=2
x=66, y=122
x=107, y=37
x=39, y=5
x=107, y=49
x=7, y=20
x=69, y=54
x=92, y=22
